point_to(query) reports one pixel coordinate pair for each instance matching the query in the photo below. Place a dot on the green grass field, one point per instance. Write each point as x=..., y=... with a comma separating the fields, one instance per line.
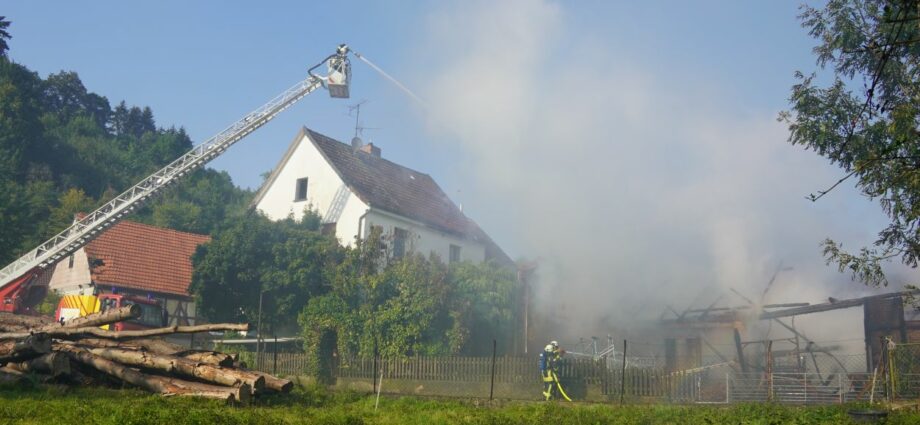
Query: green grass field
x=53, y=405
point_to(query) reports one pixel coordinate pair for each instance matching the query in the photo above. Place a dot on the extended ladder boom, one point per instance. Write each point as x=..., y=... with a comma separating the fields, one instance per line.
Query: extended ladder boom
x=86, y=229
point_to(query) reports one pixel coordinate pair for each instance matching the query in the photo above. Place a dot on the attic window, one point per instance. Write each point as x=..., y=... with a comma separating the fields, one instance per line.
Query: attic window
x=301, y=192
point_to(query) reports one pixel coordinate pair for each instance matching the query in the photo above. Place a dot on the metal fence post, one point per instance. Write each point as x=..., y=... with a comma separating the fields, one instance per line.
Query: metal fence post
x=889, y=384
x=728, y=397
x=840, y=386
x=770, y=395
x=770, y=388
x=376, y=359
x=699, y=387
x=623, y=374
x=805, y=386
x=492, y=382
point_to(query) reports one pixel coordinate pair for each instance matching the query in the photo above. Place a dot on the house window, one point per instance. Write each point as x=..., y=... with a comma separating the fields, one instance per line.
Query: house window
x=454, y=254
x=381, y=240
x=70, y=262
x=301, y=193
x=399, y=242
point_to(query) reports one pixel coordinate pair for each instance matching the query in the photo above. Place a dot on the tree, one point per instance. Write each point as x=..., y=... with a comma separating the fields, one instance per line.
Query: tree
x=4, y=36
x=866, y=119
x=481, y=306
x=63, y=149
x=408, y=306
x=66, y=95
x=70, y=203
x=286, y=262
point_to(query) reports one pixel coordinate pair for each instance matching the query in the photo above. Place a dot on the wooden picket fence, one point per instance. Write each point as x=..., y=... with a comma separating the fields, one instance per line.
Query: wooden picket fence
x=286, y=364
x=644, y=382
x=637, y=382
x=454, y=368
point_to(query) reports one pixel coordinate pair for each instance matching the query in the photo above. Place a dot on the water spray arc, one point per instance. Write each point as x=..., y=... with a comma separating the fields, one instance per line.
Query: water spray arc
x=391, y=79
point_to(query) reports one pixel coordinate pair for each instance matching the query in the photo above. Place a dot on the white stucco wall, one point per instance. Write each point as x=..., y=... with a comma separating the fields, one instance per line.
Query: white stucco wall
x=278, y=201
x=347, y=227
x=323, y=183
x=66, y=280
x=425, y=240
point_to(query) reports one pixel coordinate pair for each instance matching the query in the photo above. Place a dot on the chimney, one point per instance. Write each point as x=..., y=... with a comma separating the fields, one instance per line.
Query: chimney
x=371, y=149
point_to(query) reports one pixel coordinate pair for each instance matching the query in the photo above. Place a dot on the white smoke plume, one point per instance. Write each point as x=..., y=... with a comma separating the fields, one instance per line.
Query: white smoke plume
x=635, y=187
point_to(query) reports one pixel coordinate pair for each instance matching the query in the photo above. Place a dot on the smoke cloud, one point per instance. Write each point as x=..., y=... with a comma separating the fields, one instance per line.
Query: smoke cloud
x=636, y=188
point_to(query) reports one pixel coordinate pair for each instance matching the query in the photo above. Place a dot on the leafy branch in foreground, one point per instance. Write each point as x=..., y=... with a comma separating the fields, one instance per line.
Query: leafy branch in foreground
x=865, y=120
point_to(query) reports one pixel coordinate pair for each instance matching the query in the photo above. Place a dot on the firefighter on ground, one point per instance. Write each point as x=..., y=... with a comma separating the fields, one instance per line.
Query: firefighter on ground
x=549, y=368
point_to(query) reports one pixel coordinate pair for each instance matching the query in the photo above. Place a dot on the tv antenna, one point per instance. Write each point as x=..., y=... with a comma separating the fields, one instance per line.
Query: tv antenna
x=359, y=129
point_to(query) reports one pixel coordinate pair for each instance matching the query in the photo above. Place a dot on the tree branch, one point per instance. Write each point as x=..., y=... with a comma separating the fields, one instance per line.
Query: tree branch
x=812, y=197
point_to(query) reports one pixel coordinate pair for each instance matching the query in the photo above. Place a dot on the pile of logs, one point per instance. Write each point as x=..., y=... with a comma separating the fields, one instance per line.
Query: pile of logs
x=80, y=352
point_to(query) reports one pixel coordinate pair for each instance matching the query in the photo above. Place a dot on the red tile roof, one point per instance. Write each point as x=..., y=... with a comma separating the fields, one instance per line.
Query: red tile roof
x=144, y=257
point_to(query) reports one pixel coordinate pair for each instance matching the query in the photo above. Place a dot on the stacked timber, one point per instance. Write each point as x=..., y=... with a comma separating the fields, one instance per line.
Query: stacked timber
x=79, y=352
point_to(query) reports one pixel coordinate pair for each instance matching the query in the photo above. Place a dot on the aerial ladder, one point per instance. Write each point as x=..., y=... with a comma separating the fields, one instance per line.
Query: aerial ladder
x=15, y=277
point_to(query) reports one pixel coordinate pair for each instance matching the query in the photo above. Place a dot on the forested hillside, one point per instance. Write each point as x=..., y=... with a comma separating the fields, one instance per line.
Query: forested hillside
x=65, y=149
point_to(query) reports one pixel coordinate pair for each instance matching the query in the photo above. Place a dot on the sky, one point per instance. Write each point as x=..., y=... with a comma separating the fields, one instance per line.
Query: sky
x=632, y=148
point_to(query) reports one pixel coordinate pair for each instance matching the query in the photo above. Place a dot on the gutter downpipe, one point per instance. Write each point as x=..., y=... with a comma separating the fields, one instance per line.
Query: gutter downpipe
x=361, y=223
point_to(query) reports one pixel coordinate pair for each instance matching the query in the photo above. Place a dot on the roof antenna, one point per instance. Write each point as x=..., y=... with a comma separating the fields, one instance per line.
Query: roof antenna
x=359, y=130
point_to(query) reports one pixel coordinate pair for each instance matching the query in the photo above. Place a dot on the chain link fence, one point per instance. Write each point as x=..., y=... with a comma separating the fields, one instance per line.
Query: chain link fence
x=905, y=370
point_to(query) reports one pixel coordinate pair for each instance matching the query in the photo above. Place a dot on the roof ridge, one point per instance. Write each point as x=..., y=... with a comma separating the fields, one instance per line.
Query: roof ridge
x=373, y=157
x=80, y=215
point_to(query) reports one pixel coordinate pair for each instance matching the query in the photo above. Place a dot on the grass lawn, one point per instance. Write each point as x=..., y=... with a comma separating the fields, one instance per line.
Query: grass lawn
x=54, y=405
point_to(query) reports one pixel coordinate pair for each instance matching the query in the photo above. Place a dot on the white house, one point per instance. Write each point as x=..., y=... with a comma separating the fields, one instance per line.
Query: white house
x=354, y=189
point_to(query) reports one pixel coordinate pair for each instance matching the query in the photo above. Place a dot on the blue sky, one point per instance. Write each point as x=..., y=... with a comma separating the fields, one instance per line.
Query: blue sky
x=203, y=64
x=599, y=136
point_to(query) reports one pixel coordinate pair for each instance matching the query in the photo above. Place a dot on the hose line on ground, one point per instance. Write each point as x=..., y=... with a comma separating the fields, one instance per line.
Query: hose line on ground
x=559, y=385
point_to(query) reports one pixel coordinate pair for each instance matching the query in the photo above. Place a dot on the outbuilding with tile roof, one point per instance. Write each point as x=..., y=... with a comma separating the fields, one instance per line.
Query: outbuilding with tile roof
x=136, y=259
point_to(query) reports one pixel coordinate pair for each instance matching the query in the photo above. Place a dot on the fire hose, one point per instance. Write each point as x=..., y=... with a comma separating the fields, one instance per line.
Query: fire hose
x=559, y=385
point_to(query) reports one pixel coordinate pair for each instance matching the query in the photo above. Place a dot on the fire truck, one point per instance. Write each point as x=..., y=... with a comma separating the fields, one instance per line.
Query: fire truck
x=17, y=277
x=153, y=315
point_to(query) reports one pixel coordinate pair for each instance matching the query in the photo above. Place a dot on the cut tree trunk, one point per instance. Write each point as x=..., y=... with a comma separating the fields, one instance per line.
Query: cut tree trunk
x=159, y=346
x=156, y=345
x=77, y=333
x=10, y=376
x=158, y=384
x=15, y=322
x=29, y=347
x=181, y=366
x=153, y=345
x=209, y=357
x=101, y=318
x=54, y=364
x=275, y=384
